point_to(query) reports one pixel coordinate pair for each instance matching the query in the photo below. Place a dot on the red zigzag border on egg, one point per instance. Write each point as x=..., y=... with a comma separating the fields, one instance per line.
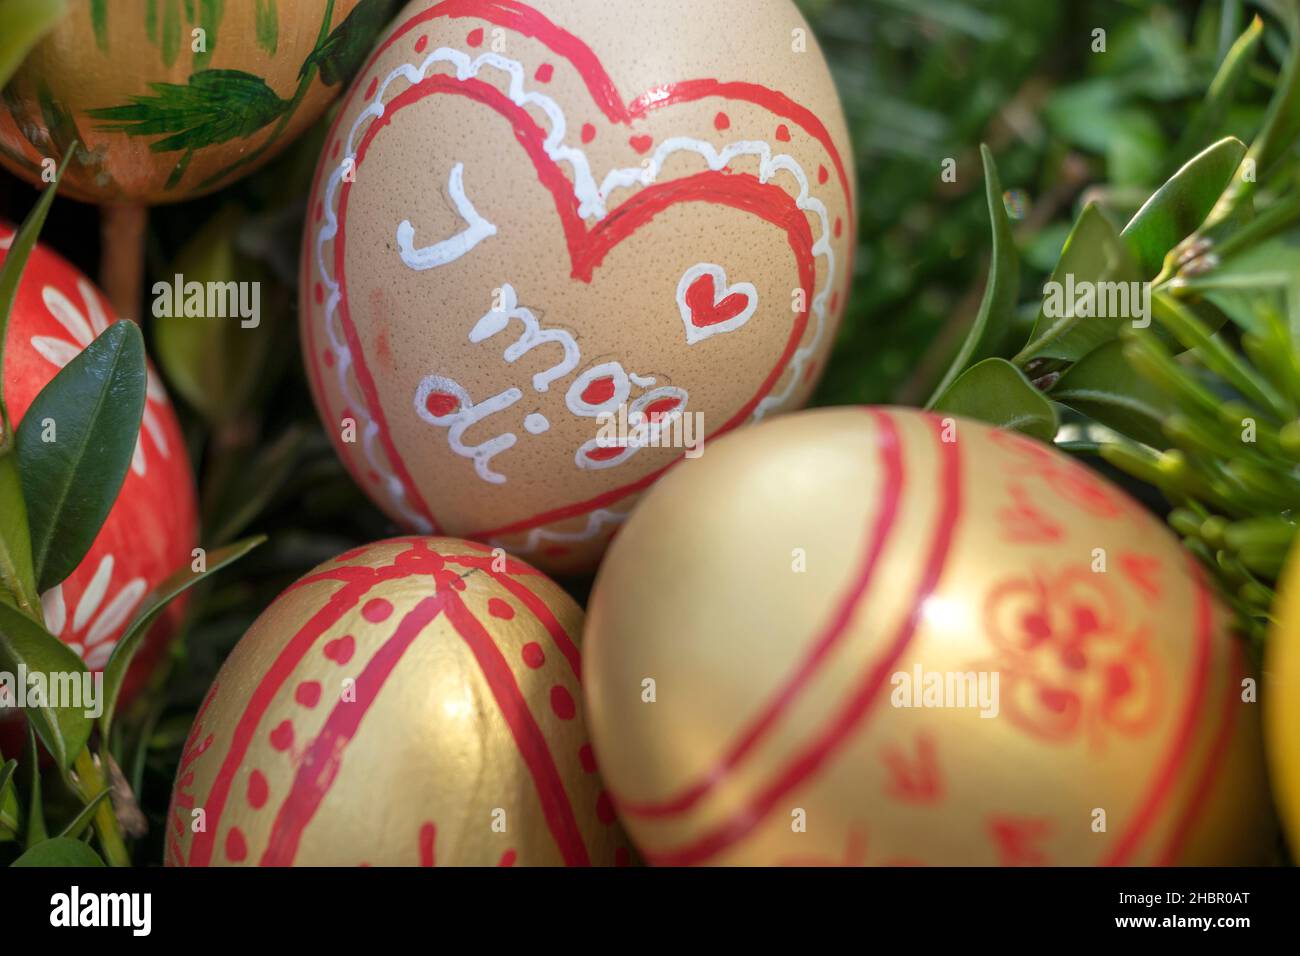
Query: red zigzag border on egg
x=588, y=247
x=318, y=769
x=857, y=708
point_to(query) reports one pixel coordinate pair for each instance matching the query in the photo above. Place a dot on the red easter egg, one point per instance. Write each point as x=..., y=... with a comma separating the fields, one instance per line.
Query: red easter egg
x=151, y=529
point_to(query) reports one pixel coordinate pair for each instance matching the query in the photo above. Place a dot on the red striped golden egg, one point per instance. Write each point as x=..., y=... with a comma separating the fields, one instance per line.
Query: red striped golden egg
x=412, y=702
x=171, y=98
x=555, y=245
x=875, y=636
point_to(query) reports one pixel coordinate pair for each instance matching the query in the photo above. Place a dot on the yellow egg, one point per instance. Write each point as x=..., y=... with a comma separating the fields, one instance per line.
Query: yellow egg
x=412, y=702
x=174, y=98
x=1282, y=702
x=554, y=248
x=874, y=636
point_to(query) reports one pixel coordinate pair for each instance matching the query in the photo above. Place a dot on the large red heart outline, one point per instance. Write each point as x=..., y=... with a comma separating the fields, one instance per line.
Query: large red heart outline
x=587, y=246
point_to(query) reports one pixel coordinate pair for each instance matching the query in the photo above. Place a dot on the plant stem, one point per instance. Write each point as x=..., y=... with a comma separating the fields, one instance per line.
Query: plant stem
x=91, y=781
x=121, y=261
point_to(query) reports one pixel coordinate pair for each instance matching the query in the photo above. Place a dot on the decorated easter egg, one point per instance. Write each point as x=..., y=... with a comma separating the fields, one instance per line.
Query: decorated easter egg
x=172, y=100
x=870, y=636
x=1282, y=702
x=556, y=246
x=412, y=702
x=152, y=528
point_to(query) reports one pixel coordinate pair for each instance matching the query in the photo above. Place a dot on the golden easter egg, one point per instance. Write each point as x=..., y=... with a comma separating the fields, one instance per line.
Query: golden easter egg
x=412, y=702
x=556, y=246
x=867, y=636
x=172, y=99
x=1282, y=702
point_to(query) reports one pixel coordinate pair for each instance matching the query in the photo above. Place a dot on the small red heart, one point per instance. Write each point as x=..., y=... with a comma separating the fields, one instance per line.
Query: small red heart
x=642, y=143
x=705, y=311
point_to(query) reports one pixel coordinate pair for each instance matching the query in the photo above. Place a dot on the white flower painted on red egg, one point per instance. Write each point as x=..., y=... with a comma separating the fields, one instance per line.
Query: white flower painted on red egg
x=99, y=617
x=83, y=327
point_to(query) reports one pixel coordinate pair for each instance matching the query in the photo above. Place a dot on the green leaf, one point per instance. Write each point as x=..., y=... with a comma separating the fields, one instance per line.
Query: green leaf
x=15, y=261
x=60, y=852
x=1269, y=269
x=9, y=822
x=254, y=481
x=35, y=808
x=997, y=310
x=94, y=405
x=1221, y=96
x=17, y=578
x=213, y=361
x=997, y=392
x=22, y=24
x=346, y=48
x=179, y=582
x=1094, y=256
x=26, y=644
x=17, y=575
x=1106, y=388
x=1280, y=127
x=1180, y=206
x=85, y=818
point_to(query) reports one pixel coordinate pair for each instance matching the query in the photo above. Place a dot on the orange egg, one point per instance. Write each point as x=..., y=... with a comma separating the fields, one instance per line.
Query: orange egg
x=553, y=248
x=876, y=636
x=412, y=702
x=175, y=99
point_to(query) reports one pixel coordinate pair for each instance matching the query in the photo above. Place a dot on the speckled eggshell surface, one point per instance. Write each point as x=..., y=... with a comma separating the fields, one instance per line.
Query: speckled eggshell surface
x=166, y=114
x=531, y=214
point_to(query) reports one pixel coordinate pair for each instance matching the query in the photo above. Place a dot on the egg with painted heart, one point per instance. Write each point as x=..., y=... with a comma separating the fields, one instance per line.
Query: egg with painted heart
x=412, y=702
x=873, y=636
x=152, y=527
x=554, y=247
x=172, y=99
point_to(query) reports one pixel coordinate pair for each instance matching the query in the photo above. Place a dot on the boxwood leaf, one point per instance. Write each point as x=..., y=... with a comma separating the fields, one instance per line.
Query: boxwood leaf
x=60, y=852
x=1094, y=256
x=182, y=580
x=1179, y=207
x=26, y=644
x=8, y=800
x=1106, y=388
x=82, y=820
x=997, y=392
x=211, y=360
x=35, y=832
x=1221, y=96
x=997, y=309
x=93, y=408
x=17, y=576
